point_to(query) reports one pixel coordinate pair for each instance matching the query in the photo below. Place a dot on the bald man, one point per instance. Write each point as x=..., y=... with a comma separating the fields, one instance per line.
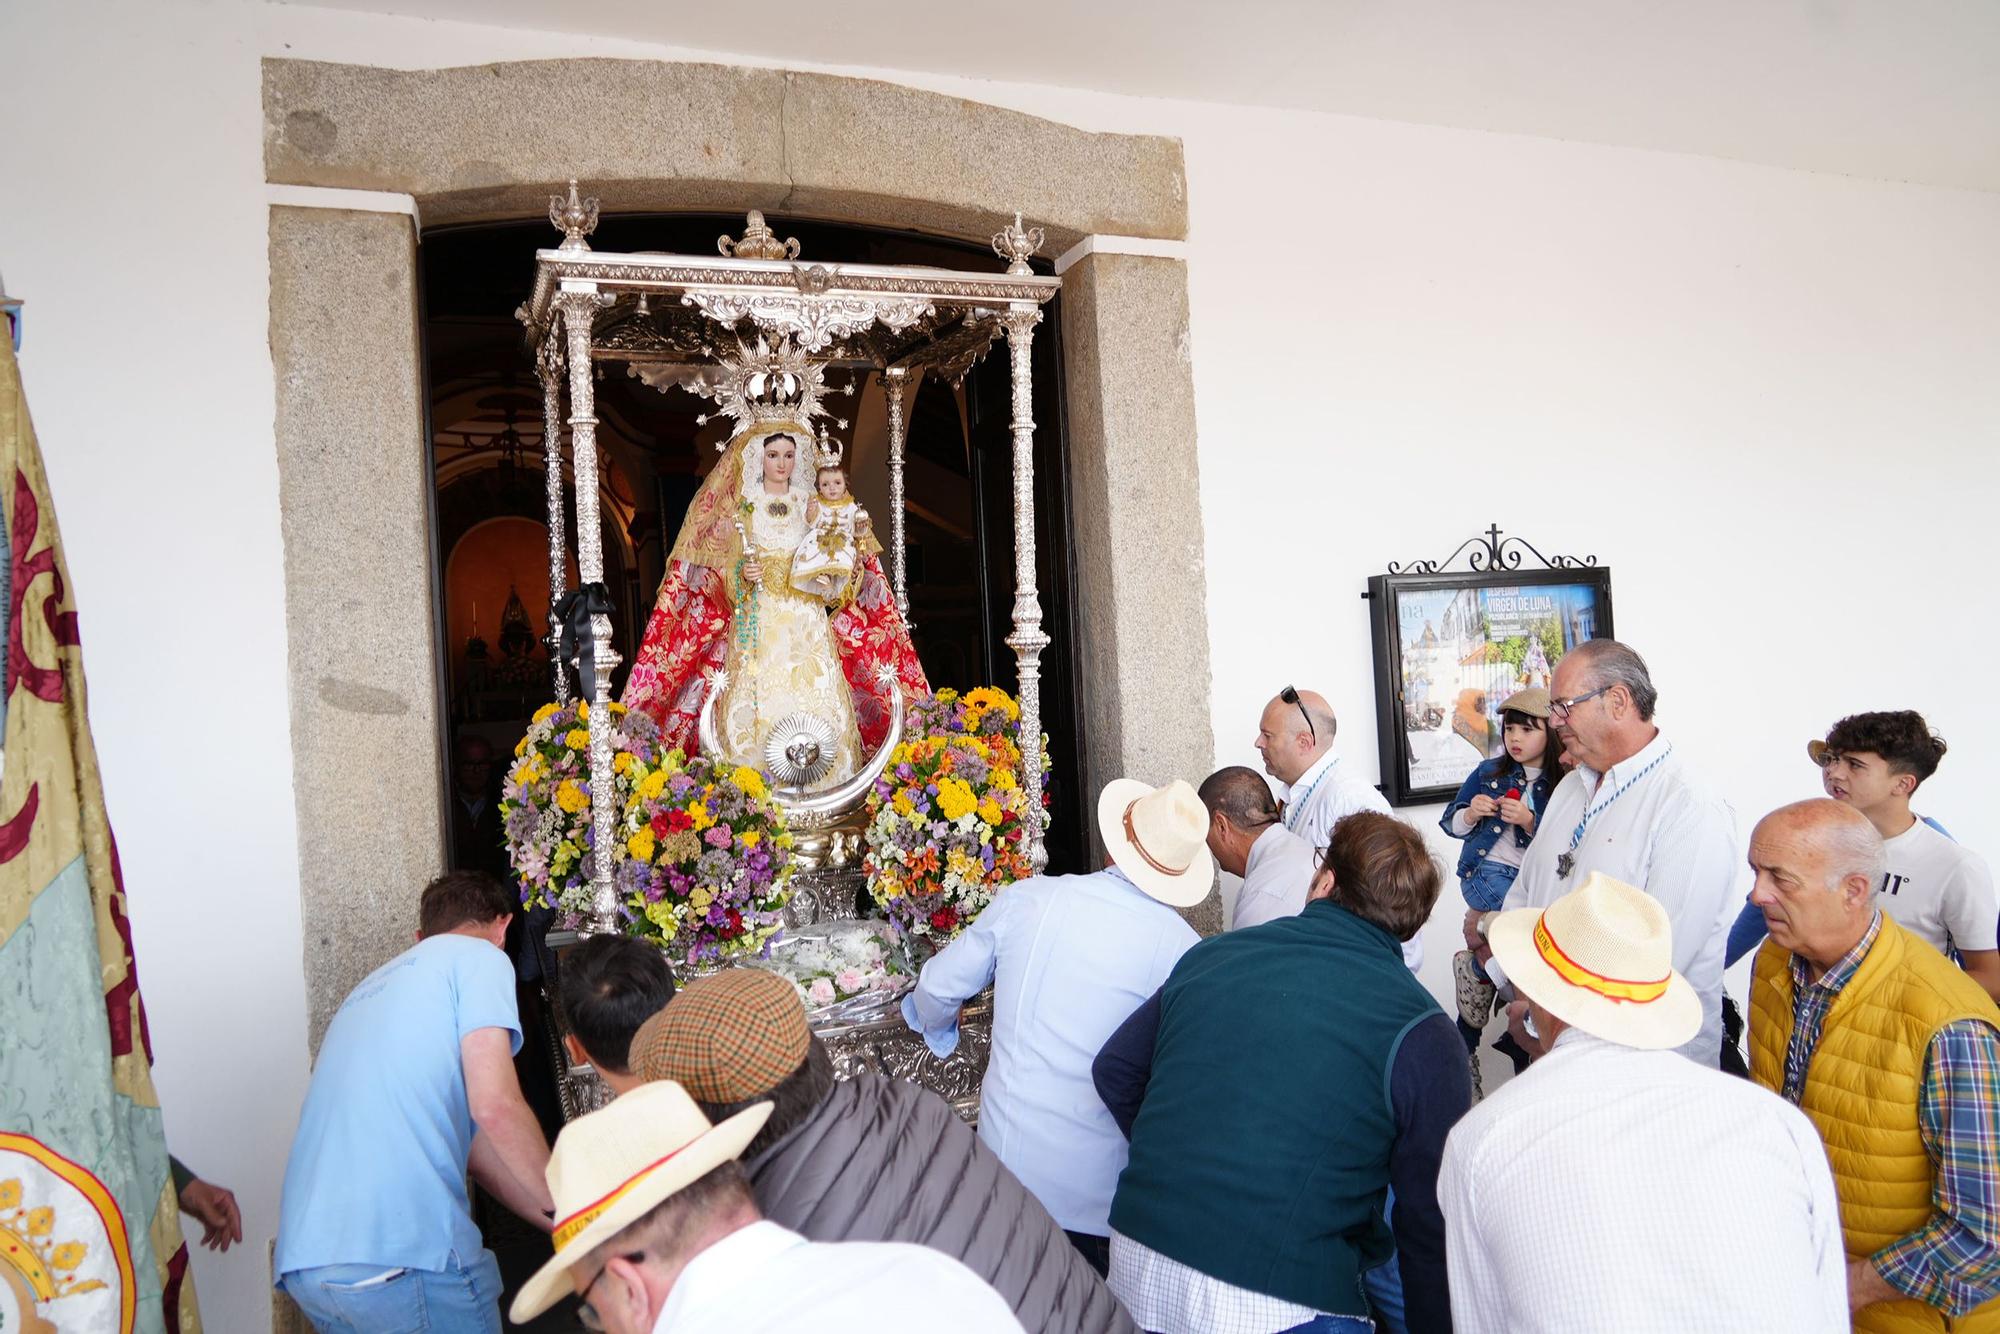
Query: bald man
x=1295, y=737
x=1250, y=841
x=1893, y=1053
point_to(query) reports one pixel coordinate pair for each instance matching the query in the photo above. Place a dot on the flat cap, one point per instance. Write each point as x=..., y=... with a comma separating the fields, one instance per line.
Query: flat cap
x=737, y=1034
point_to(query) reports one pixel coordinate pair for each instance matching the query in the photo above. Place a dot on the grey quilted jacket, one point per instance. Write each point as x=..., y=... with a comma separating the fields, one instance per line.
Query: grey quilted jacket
x=882, y=1160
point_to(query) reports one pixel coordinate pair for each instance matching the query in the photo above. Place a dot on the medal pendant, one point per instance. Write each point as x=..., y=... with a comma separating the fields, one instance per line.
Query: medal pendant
x=1565, y=864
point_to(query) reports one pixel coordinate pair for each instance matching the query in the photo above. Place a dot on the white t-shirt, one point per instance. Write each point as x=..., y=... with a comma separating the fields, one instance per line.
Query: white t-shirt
x=1939, y=890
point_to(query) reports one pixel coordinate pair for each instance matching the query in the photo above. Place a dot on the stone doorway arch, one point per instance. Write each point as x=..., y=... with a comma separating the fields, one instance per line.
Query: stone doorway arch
x=489, y=142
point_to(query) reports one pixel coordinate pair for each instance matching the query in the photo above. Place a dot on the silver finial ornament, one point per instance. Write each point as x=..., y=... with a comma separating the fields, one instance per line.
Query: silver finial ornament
x=575, y=218
x=759, y=241
x=1017, y=245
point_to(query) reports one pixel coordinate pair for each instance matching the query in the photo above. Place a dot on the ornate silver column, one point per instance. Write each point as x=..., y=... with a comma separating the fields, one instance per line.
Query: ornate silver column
x=1028, y=639
x=1016, y=245
x=549, y=362
x=579, y=306
x=895, y=384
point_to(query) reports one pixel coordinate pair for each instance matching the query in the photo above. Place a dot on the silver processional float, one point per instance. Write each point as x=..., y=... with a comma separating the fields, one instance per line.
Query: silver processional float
x=703, y=322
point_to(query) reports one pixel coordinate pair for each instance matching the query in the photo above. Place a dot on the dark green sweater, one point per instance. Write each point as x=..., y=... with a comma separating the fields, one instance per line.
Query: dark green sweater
x=1261, y=1150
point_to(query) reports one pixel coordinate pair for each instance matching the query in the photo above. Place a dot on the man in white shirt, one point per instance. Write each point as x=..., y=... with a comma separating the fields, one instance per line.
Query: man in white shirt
x=658, y=1232
x=1249, y=841
x=1635, y=810
x=1615, y=1186
x=1935, y=888
x=1295, y=737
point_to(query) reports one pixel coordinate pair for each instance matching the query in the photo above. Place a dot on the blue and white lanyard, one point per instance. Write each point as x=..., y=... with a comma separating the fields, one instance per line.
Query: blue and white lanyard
x=1294, y=805
x=1567, y=862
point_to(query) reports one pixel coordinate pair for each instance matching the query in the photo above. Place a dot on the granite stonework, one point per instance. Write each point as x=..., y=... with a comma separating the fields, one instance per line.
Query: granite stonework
x=1135, y=501
x=489, y=141
x=354, y=496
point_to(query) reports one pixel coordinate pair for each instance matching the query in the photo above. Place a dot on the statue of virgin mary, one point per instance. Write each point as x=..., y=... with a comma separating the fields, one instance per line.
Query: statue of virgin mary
x=728, y=603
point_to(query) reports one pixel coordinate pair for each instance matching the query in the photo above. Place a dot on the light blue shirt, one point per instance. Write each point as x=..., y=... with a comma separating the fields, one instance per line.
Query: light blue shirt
x=377, y=1172
x=1070, y=958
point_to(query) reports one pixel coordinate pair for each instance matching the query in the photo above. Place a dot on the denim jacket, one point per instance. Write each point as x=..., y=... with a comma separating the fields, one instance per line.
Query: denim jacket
x=1494, y=778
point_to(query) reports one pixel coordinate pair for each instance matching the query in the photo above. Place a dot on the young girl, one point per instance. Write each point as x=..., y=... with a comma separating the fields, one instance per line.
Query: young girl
x=1494, y=815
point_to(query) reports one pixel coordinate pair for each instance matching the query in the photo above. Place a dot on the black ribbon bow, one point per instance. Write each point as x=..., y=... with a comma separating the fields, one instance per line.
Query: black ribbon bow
x=579, y=643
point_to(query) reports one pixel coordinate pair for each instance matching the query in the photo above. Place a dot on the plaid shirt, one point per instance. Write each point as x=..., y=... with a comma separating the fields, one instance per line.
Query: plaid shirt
x=1953, y=1261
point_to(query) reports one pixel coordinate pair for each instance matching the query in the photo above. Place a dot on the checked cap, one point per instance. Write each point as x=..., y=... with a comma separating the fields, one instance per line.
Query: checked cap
x=727, y=1037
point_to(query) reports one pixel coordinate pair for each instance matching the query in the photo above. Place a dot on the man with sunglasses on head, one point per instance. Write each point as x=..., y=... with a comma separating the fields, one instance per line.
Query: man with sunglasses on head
x=1635, y=810
x=1295, y=737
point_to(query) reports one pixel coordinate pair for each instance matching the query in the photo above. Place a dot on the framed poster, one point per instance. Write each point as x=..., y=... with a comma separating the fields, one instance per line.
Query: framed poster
x=1449, y=648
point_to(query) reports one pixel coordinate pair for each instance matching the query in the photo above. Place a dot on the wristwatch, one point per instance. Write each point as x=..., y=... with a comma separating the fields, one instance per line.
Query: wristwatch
x=1485, y=921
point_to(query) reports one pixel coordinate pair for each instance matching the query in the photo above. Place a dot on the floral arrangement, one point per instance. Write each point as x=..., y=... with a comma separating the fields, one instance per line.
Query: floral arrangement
x=703, y=858
x=545, y=805
x=842, y=968
x=947, y=820
x=708, y=858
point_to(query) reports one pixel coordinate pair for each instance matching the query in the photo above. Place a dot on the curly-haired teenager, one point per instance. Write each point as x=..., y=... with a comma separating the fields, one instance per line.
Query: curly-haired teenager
x=1935, y=888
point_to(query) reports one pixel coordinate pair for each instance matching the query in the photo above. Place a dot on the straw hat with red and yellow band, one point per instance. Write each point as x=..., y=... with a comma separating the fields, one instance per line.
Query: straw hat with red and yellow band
x=1600, y=958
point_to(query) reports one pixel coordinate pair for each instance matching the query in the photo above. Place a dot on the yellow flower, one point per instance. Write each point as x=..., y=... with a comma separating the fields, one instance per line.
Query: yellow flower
x=947, y=696
x=520, y=748
x=665, y=915
x=955, y=798
x=653, y=784
x=640, y=845
x=577, y=738
x=622, y=762
x=570, y=797
x=888, y=887
x=698, y=812
x=749, y=780
x=702, y=896
x=749, y=838
x=902, y=805
x=989, y=811
x=583, y=710
x=1002, y=779
x=546, y=712
x=618, y=710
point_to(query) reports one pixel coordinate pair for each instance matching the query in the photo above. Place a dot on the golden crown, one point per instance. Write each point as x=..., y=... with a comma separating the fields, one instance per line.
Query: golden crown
x=28, y=1243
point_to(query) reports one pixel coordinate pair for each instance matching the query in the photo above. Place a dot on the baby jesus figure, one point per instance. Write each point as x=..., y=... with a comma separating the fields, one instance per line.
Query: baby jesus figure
x=829, y=554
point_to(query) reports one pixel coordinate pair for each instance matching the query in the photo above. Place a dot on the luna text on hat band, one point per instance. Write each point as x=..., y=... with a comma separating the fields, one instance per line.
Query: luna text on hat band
x=1574, y=973
x=566, y=1231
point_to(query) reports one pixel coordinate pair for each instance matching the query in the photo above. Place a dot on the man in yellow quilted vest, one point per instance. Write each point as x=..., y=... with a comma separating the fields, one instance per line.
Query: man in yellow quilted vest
x=1894, y=1054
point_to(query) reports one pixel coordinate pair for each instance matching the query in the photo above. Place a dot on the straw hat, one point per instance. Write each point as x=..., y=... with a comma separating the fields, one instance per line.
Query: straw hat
x=615, y=1165
x=1159, y=838
x=1600, y=958
x=1534, y=701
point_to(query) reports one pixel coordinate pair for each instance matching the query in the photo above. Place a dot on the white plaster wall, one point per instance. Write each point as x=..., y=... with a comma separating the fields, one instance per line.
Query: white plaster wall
x=1766, y=399
x=133, y=224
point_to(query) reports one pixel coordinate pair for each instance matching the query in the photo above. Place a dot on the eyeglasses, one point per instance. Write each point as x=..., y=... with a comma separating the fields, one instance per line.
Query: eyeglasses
x=1559, y=708
x=1291, y=697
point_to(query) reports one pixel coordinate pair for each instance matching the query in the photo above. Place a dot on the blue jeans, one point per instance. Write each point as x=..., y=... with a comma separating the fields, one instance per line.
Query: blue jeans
x=1486, y=887
x=1385, y=1284
x=350, y=1299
